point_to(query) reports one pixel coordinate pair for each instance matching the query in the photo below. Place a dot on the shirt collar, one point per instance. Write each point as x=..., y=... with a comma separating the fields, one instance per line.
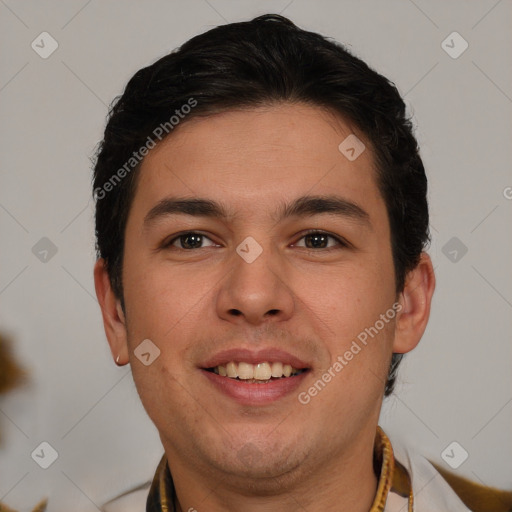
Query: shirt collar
x=393, y=477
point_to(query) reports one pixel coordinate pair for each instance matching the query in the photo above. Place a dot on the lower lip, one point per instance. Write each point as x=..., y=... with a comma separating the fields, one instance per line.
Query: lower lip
x=253, y=393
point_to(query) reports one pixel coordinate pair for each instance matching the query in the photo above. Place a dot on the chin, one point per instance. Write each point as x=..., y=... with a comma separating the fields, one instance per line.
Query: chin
x=262, y=474
x=261, y=457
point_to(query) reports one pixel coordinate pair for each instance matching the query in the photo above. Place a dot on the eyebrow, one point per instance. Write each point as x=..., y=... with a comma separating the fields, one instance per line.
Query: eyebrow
x=302, y=207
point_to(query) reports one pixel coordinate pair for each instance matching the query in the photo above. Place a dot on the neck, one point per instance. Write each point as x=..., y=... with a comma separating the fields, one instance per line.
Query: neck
x=342, y=480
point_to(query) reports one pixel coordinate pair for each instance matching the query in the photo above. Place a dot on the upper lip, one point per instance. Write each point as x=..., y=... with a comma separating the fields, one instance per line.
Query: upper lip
x=269, y=355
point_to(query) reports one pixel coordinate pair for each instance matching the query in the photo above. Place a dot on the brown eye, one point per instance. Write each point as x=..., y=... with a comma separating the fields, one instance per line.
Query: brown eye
x=320, y=240
x=188, y=241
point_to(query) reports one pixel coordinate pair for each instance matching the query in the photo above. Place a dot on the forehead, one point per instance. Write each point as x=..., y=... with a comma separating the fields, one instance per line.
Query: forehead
x=259, y=157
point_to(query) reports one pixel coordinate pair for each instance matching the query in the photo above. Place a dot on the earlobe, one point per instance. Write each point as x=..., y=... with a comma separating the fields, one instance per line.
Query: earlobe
x=415, y=301
x=114, y=321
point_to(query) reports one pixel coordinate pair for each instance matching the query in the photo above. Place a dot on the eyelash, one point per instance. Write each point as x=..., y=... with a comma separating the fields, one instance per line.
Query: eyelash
x=341, y=242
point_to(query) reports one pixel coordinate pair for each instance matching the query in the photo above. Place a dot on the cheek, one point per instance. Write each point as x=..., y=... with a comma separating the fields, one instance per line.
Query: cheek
x=350, y=303
x=166, y=395
x=165, y=304
x=348, y=299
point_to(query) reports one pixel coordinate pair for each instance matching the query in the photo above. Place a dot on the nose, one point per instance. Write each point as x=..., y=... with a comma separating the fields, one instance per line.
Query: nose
x=256, y=291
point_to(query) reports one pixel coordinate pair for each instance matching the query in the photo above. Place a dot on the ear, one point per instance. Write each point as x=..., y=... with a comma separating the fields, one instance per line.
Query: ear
x=415, y=301
x=114, y=320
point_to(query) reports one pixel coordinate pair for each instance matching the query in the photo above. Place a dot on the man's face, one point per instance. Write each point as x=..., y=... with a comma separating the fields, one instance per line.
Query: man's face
x=254, y=287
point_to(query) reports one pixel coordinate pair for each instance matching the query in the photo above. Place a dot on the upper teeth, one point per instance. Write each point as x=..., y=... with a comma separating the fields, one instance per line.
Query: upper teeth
x=260, y=371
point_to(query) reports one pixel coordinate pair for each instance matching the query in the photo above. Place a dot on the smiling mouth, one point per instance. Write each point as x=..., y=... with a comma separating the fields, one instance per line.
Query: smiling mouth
x=260, y=373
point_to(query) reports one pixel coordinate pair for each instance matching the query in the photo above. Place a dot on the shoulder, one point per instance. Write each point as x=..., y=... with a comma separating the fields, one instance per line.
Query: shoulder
x=40, y=507
x=436, y=489
x=477, y=497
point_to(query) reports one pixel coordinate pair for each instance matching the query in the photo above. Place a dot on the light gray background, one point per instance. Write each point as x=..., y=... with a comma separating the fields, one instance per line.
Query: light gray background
x=455, y=386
